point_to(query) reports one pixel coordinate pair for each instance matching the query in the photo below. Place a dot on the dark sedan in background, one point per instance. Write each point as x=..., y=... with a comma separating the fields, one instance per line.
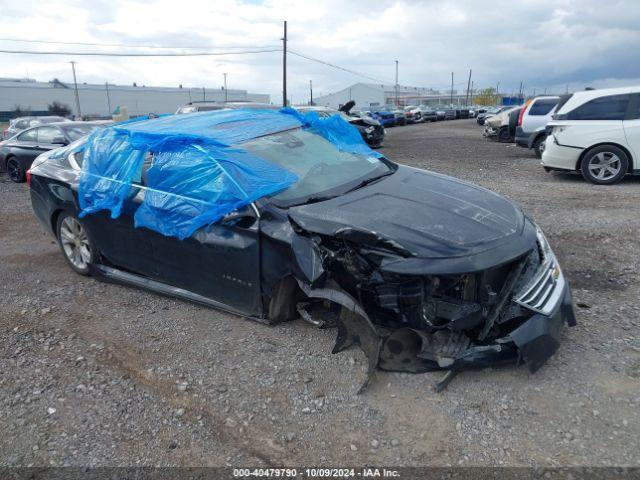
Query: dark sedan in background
x=17, y=153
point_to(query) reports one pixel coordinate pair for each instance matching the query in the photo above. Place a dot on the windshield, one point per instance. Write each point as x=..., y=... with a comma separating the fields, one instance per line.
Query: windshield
x=78, y=131
x=322, y=169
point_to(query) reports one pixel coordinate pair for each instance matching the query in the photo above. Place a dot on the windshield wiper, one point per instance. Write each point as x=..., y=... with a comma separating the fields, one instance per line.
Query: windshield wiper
x=366, y=182
x=316, y=199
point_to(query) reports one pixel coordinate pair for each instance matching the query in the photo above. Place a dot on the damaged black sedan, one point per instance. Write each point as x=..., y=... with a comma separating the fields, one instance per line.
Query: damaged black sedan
x=424, y=272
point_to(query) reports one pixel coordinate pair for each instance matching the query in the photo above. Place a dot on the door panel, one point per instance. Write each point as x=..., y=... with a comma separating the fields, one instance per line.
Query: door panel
x=220, y=262
x=118, y=240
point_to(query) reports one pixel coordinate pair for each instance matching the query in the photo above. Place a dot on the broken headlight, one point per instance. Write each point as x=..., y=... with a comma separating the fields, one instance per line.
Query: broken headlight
x=546, y=288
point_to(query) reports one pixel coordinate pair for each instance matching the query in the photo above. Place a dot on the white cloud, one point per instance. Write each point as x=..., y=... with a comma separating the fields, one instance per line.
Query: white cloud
x=546, y=46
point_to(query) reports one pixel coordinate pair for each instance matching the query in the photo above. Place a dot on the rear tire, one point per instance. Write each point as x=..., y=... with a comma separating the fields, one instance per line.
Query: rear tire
x=605, y=165
x=16, y=170
x=75, y=243
x=538, y=145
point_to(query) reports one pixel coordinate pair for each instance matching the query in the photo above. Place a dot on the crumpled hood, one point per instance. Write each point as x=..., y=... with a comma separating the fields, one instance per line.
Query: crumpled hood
x=430, y=216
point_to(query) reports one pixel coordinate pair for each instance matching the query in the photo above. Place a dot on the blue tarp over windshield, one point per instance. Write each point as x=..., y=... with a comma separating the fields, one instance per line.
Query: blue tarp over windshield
x=199, y=171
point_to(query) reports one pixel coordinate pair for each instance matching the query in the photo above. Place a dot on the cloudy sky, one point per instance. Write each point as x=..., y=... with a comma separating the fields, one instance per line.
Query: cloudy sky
x=579, y=43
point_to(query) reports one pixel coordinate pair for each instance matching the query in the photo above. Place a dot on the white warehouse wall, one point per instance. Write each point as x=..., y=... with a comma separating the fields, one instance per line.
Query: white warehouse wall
x=93, y=98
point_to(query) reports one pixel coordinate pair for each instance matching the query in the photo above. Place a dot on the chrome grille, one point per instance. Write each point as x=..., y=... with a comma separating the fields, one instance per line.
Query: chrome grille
x=545, y=289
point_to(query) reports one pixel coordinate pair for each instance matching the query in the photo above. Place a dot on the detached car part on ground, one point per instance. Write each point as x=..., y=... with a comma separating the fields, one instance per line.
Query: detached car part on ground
x=271, y=214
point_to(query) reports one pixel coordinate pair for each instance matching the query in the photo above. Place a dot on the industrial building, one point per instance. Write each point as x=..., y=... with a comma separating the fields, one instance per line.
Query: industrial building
x=374, y=95
x=33, y=97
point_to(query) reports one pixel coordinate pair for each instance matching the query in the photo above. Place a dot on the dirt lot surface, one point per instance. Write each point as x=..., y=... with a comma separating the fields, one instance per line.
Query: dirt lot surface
x=98, y=374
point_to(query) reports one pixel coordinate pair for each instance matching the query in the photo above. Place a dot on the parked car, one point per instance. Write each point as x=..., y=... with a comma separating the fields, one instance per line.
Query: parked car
x=370, y=129
x=413, y=114
x=429, y=114
x=400, y=118
x=206, y=106
x=17, y=153
x=450, y=114
x=462, y=113
x=503, y=125
x=532, y=123
x=489, y=112
x=596, y=132
x=16, y=125
x=441, y=114
x=427, y=271
x=385, y=117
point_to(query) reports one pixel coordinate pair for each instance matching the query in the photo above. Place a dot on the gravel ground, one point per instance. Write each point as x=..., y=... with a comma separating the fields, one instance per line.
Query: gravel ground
x=97, y=374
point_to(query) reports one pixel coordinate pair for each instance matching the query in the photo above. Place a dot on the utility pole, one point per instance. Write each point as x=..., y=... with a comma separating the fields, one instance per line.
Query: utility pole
x=311, y=92
x=106, y=86
x=284, y=66
x=466, y=97
x=204, y=94
x=226, y=97
x=75, y=85
x=520, y=93
x=471, y=94
x=397, y=105
x=451, y=93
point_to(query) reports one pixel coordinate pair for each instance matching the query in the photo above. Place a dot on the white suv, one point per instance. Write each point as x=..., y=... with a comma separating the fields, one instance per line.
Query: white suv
x=532, y=123
x=596, y=132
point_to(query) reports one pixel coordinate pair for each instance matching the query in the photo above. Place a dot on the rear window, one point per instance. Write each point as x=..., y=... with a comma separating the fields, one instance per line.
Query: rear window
x=612, y=107
x=543, y=106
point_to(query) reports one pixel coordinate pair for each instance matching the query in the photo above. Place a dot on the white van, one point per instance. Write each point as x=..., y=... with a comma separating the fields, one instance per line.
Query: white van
x=596, y=132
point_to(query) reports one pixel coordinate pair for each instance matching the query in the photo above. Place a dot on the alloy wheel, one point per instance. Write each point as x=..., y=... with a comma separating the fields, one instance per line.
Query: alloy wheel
x=604, y=165
x=75, y=243
x=13, y=168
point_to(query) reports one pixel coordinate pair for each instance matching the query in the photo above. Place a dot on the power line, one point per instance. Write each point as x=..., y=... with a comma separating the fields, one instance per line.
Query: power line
x=51, y=42
x=131, y=54
x=353, y=72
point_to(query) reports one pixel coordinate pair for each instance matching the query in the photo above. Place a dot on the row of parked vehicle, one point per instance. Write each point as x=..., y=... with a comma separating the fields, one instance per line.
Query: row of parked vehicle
x=593, y=132
x=391, y=115
x=29, y=137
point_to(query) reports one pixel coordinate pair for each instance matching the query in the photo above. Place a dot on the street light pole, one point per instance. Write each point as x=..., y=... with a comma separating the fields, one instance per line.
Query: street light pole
x=451, y=98
x=226, y=97
x=311, y=92
x=284, y=66
x=397, y=84
x=106, y=86
x=75, y=86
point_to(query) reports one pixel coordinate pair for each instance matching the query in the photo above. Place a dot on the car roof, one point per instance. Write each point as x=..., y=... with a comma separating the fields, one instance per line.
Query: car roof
x=583, y=96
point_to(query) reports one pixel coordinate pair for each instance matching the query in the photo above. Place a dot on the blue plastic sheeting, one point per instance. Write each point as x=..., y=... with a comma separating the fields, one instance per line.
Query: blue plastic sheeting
x=335, y=129
x=199, y=172
x=217, y=180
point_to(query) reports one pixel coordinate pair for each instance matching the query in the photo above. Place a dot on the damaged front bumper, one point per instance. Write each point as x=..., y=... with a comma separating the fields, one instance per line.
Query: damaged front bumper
x=515, y=319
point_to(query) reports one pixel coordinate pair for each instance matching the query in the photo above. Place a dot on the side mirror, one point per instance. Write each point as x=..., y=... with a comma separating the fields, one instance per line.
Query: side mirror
x=59, y=141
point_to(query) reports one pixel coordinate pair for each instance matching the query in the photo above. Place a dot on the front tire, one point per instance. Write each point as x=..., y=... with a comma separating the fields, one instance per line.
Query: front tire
x=503, y=135
x=16, y=170
x=605, y=165
x=75, y=243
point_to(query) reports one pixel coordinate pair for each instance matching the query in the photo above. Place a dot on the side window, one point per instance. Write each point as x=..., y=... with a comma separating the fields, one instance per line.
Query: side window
x=612, y=107
x=28, y=136
x=48, y=134
x=140, y=178
x=542, y=107
x=21, y=124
